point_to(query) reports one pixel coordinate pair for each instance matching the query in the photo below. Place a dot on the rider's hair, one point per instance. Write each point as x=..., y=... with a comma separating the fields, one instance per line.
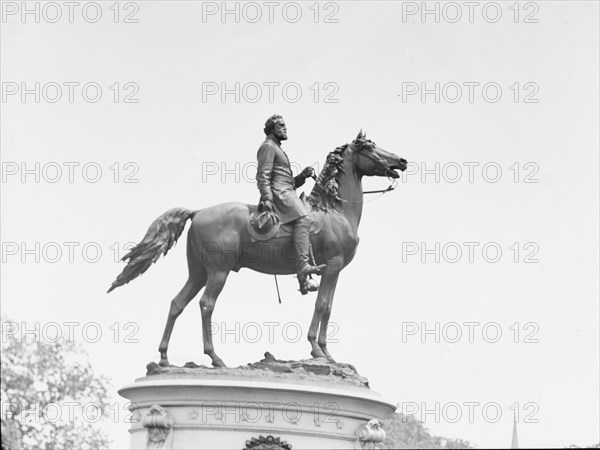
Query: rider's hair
x=270, y=123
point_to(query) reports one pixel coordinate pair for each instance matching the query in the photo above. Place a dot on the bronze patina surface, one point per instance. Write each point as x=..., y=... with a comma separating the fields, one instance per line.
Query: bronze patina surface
x=336, y=200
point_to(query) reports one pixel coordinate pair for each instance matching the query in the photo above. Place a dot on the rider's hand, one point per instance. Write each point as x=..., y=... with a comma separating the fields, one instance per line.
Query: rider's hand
x=267, y=205
x=308, y=172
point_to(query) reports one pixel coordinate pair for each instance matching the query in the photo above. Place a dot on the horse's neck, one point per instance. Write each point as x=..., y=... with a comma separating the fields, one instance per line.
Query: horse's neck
x=351, y=192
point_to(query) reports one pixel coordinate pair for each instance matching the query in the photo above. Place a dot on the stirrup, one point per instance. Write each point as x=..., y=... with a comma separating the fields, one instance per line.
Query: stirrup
x=309, y=270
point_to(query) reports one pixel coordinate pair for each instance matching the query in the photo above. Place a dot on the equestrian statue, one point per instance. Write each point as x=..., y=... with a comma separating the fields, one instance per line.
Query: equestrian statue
x=282, y=235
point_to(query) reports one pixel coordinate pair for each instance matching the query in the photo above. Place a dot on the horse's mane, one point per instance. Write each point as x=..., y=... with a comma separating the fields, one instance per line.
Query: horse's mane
x=325, y=193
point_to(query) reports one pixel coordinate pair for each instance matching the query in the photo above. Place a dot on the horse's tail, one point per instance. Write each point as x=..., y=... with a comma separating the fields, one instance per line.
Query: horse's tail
x=159, y=238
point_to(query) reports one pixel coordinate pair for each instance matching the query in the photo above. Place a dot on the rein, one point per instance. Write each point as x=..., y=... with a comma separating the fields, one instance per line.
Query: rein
x=390, y=188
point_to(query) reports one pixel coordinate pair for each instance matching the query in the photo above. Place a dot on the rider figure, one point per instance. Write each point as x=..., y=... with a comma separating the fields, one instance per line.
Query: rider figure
x=277, y=186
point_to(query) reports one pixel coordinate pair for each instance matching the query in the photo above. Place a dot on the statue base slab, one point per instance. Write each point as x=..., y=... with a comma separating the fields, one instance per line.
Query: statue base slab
x=271, y=404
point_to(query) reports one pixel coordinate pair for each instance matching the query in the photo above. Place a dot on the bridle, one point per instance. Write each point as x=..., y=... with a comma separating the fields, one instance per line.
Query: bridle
x=378, y=161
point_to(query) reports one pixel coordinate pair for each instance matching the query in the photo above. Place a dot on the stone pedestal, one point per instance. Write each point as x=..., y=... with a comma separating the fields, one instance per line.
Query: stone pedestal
x=281, y=405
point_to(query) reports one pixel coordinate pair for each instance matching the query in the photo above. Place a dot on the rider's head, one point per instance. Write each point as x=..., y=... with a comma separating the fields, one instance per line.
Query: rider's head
x=275, y=125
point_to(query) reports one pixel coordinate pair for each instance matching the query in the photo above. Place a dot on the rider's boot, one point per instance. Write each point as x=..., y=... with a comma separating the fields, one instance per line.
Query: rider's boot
x=303, y=268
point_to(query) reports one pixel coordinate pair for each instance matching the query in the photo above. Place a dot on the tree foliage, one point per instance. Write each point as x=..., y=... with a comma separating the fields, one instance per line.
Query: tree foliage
x=51, y=398
x=407, y=432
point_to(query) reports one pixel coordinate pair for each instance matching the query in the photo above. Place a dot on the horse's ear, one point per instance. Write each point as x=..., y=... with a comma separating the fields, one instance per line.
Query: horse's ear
x=365, y=135
x=360, y=135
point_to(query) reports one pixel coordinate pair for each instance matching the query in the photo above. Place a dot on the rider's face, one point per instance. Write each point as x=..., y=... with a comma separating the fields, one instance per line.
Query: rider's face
x=280, y=130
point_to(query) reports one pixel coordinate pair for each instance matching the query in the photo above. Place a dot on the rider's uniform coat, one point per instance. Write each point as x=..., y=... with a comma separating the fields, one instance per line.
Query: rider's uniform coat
x=277, y=183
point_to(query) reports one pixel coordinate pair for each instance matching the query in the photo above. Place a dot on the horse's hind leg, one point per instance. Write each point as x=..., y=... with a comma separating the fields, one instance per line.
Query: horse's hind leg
x=196, y=281
x=214, y=285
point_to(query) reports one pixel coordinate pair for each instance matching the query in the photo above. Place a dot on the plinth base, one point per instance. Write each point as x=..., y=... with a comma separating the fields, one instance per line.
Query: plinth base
x=254, y=408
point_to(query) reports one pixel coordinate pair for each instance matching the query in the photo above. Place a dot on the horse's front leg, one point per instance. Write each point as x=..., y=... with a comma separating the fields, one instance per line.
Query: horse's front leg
x=323, y=310
x=323, y=328
x=214, y=285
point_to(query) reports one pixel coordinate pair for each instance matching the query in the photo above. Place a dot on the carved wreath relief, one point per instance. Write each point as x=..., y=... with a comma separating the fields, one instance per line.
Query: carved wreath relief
x=267, y=443
x=160, y=428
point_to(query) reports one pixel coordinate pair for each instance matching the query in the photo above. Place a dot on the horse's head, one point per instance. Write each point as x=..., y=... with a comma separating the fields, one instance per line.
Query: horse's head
x=371, y=160
x=364, y=157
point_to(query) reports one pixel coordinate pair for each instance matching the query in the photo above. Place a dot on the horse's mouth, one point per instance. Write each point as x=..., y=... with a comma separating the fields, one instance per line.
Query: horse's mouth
x=392, y=173
x=392, y=170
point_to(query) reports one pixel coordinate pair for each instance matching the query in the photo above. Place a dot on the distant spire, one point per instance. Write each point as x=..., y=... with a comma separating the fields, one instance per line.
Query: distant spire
x=515, y=439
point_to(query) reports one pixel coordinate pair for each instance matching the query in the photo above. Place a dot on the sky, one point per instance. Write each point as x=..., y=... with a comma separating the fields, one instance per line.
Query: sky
x=492, y=229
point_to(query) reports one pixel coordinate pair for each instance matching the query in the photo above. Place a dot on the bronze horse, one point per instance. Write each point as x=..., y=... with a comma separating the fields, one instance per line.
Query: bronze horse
x=219, y=242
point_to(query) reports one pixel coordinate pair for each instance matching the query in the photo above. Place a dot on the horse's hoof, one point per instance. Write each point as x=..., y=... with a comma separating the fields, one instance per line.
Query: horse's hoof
x=328, y=355
x=218, y=363
x=164, y=362
x=318, y=354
